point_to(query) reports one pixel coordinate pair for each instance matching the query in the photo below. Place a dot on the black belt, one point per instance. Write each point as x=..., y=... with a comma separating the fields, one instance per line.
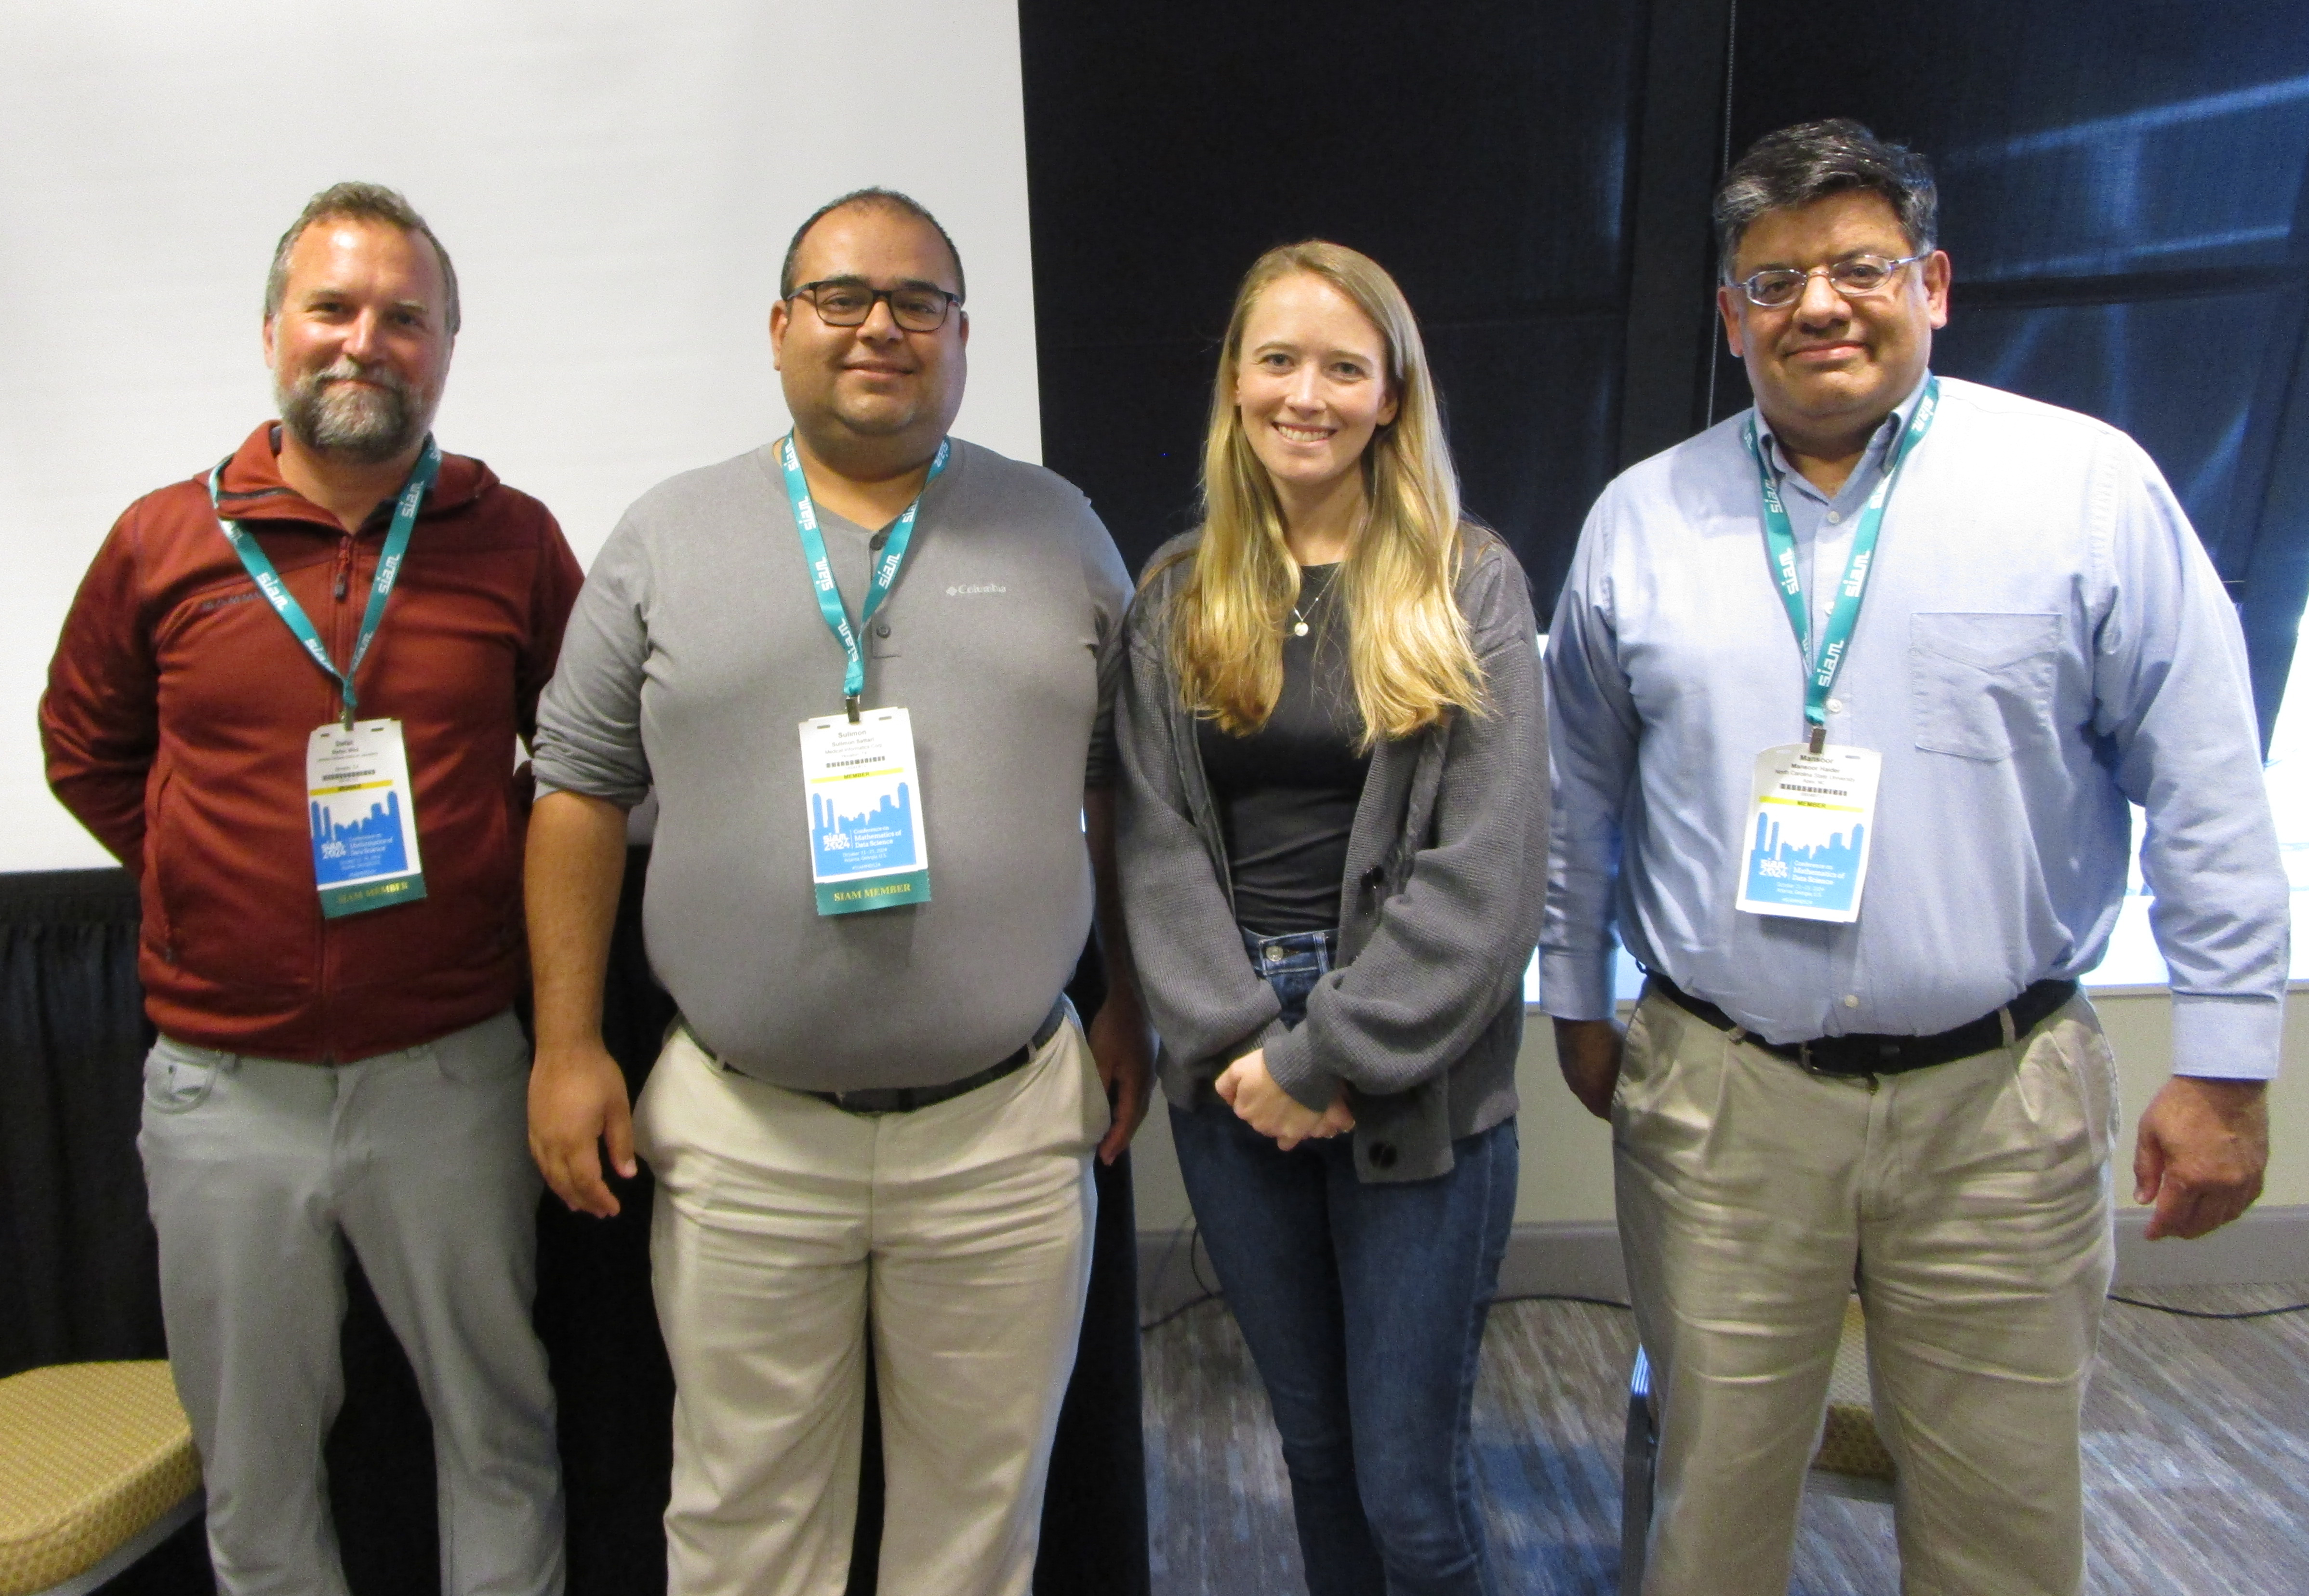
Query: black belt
x=905, y=1099
x=1861, y=1053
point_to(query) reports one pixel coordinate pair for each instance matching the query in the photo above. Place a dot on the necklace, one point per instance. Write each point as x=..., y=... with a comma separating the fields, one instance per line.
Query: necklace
x=1299, y=617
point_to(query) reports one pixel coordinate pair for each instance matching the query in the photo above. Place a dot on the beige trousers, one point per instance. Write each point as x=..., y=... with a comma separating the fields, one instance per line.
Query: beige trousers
x=784, y=1227
x=1969, y=1202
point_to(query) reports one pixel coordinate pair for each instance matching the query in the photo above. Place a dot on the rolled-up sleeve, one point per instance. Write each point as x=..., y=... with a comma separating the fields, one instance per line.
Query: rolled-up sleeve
x=589, y=736
x=1108, y=582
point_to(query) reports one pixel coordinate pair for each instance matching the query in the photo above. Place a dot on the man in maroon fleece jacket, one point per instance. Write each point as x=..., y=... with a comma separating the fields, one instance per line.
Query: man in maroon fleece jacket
x=286, y=698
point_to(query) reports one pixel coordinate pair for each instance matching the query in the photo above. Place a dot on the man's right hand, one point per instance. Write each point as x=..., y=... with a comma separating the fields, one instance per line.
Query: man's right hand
x=577, y=1102
x=576, y=1094
x=1588, y=1053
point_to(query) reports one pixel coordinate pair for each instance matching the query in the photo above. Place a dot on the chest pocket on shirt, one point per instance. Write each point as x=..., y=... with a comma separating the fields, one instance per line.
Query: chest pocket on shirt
x=1975, y=680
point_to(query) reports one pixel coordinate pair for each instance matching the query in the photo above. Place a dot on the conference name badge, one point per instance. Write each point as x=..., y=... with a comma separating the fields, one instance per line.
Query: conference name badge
x=363, y=817
x=1811, y=821
x=867, y=848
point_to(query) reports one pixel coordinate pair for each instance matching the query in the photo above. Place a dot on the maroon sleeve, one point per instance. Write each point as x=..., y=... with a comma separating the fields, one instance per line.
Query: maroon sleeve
x=99, y=718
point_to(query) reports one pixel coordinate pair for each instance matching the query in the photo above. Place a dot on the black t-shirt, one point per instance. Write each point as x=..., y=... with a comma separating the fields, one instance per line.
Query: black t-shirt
x=1287, y=793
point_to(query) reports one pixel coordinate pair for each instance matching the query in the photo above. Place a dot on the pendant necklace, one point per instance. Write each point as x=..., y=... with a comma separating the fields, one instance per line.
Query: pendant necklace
x=1298, y=618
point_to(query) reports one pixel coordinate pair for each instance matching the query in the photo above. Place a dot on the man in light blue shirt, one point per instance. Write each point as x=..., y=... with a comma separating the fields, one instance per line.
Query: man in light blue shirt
x=1914, y=1099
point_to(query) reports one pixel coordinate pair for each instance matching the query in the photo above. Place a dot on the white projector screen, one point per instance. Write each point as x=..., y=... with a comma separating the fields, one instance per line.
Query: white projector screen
x=615, y=183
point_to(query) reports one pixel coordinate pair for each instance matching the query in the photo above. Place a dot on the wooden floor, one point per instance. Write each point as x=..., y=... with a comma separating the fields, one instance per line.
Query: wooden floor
x=2196, y=1458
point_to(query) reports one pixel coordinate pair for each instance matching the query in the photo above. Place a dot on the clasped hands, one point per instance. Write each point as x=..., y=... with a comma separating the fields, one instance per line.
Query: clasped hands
x=1267, y=1108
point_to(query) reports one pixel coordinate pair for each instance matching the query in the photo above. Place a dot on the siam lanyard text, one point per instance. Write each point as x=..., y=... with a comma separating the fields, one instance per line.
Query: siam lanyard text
x=388, y=571
x=884, y=574
x=1780, y=542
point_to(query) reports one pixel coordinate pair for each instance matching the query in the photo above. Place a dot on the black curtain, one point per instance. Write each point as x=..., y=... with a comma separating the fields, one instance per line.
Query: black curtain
x=77, y=1252
x=76, y=1248
x=2125, y=190
x=2124, y=184
x=1479, y=152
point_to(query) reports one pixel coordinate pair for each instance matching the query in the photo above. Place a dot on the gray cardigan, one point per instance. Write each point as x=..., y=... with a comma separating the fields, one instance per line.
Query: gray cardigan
x=1438, y=909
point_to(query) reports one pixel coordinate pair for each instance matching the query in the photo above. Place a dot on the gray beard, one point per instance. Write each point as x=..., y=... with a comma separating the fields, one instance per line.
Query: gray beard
x=331, y=415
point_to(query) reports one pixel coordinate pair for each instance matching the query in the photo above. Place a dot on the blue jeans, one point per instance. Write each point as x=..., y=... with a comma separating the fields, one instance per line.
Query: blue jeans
x=1364, y=1308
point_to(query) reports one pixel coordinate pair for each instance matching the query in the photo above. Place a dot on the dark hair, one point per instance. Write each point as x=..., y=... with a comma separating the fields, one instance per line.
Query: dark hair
x=885, y=199
x=1813, y=160
x=363, y=201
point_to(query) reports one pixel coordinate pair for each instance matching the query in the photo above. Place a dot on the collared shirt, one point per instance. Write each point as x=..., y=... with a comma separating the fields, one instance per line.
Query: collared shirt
x=2043, y=638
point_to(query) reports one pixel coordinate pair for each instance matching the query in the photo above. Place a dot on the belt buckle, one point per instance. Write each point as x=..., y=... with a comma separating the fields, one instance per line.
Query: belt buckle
x=855, y=1103
x=1803, y=1058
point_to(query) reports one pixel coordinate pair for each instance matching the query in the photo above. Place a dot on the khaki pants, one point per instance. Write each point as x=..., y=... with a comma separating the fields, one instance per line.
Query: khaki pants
x=961, y=1233
x=1969, y=1202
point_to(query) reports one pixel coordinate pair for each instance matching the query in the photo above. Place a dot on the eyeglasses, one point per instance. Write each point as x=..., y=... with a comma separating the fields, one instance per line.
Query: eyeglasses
x=841, y=303
x=1856, y=277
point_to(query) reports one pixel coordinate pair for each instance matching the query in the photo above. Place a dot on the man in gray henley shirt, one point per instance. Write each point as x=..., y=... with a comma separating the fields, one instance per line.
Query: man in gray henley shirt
x=890, y=1109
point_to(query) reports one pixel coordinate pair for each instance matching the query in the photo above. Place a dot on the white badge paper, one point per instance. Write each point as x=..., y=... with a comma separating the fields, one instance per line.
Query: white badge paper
x=867, y=848
x=1811, y=821
x=362, y=817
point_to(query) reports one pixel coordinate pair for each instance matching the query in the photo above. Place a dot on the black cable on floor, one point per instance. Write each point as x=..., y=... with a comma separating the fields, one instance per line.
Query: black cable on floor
x=2159, y=1307
x=1191, y=1231
x=1160, y=1320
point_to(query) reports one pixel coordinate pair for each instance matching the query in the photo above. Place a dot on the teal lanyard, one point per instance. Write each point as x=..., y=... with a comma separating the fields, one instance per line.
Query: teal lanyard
x=821, y=570
x=1780, y=541
x=388, y=571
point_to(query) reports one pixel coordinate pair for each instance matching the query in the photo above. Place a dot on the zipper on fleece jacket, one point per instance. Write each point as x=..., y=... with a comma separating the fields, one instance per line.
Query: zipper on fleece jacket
x=341, y=645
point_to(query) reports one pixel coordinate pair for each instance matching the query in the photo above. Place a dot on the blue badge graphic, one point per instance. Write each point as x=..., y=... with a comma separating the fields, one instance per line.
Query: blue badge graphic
x=1822, y=875
x=880, y=838
x=352, y=849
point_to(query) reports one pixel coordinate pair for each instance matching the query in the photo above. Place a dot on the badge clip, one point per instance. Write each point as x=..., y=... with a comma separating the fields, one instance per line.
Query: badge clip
x=1818, y=739
x=850, y=702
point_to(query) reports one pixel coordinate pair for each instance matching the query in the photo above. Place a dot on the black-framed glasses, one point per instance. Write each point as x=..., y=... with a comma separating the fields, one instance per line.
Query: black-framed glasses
x=1856, y=277
x=845, y=302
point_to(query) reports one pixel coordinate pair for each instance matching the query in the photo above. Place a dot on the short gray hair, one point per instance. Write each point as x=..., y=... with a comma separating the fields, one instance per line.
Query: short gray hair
x=1813, y=160
x=885, y=199
x=360, y=202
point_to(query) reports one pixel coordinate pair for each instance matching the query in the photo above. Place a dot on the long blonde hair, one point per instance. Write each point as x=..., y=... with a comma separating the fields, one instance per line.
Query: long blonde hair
x=1407, y=643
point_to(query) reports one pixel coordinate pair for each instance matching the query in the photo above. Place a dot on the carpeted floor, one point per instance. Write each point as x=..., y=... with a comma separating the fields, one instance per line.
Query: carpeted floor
x=2196, y=1458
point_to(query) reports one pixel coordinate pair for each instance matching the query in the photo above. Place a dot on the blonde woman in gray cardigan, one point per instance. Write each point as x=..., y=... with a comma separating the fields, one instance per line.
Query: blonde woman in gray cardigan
x=1333, y=841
